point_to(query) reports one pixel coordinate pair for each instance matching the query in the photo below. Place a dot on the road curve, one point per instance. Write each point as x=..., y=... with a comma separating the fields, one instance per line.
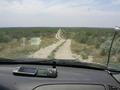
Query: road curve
x=58, y=35
x=45, y=52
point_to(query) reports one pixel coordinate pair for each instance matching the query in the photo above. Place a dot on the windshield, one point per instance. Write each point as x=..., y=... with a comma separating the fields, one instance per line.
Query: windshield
x=79, y=30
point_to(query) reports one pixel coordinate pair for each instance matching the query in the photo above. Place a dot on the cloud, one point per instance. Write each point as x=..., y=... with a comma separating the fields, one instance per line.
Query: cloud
x=115, y=2
x=59, y=12
x=61, y=6
x=24, y=6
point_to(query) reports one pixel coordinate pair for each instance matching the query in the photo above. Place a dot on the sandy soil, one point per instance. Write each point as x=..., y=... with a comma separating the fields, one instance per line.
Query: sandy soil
x=64, y=52
x=45, y=52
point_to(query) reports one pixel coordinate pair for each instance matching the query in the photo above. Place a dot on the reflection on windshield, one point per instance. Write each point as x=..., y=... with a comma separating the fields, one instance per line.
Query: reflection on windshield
x=82, y=44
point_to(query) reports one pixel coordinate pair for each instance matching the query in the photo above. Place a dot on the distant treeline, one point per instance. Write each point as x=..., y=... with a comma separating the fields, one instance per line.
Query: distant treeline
x=84, y=35
x=7, y=34
x=90, y=36
x=98, y=37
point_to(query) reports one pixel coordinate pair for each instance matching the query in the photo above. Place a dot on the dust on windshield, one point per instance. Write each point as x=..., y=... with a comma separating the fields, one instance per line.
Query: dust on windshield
x=82, y=44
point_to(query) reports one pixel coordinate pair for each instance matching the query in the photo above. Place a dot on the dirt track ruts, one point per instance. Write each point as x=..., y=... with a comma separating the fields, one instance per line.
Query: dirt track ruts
x=64, y=52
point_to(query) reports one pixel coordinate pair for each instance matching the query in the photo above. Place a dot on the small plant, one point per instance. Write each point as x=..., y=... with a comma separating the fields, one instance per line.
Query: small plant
x=84, y=55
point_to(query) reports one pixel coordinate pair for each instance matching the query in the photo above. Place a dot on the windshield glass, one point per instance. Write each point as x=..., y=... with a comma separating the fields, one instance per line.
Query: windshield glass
x=115, y=53
x=83, y=44
x=79, y=30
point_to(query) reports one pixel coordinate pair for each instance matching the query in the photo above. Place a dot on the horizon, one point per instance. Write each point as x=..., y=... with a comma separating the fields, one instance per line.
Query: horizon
x=53, y=27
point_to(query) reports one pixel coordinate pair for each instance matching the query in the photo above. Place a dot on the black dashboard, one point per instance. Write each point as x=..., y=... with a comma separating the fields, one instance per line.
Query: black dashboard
x=69, y=78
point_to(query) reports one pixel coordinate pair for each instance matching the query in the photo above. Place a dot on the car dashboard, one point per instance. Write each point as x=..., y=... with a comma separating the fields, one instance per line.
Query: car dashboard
x=68, y=78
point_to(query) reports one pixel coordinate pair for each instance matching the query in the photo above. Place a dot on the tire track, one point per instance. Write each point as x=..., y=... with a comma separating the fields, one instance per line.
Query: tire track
x=45, y=52
x=64, y=52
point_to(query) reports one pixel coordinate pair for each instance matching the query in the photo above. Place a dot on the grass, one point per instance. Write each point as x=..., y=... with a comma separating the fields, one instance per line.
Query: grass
x=47, y=41
x=10, y=40
x=78, y=48
x=85, y=41
x=85, y=51
x=14, y=49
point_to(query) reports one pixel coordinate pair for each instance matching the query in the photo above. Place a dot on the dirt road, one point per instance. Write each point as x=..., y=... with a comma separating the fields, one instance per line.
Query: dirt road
x=64, y=52
x=58, y=35
x=45, y=52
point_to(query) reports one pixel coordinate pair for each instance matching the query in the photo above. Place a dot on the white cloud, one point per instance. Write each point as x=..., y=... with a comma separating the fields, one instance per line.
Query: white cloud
x=115, y=2
x=25, y=6
x=55, y=13
x=55, y=6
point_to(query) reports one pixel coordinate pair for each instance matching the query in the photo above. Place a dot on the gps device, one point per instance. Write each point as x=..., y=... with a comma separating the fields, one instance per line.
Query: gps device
x=25, y=71
x=38, y=72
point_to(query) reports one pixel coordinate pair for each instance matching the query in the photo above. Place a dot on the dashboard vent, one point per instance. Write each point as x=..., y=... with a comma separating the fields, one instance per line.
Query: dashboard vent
x=113, y=88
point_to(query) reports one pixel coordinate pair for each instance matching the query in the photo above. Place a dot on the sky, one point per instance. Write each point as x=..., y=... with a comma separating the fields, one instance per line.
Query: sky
x=59, y=13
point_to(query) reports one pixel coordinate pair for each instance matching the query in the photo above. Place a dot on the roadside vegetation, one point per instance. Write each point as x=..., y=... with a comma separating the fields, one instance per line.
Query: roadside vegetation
x=94, y=42
x=12, y=44
x=46, y=41
x=86, y=42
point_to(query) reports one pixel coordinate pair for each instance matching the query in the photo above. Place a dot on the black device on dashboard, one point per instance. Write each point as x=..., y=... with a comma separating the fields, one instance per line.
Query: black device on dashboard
x=25, y=71
x=38, y=72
